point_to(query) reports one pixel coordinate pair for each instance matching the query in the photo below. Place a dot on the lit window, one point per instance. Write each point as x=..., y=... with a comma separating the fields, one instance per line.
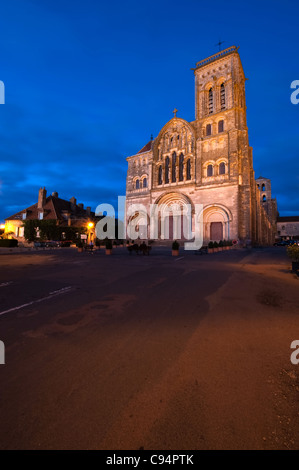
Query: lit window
x=41, y=216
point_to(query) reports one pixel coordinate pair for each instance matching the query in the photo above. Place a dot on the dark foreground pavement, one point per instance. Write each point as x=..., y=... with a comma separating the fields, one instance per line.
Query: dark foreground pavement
x=124, y=352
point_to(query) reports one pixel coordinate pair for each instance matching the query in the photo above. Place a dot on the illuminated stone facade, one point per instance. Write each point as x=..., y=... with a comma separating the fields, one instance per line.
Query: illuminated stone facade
x=207, y=161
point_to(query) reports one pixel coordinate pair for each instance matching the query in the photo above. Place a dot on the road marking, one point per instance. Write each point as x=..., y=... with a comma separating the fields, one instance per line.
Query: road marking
x=182, y=257
x=5, y=284
x=50, y=296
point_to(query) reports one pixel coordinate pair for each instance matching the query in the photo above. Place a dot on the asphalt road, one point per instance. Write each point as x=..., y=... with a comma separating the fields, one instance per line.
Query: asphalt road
x=123, y=352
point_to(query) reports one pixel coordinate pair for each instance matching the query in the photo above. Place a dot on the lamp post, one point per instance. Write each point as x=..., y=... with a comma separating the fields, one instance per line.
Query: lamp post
x=90, y=227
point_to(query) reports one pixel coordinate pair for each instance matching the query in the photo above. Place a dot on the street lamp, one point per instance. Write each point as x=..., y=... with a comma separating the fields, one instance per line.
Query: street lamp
x=90, y=226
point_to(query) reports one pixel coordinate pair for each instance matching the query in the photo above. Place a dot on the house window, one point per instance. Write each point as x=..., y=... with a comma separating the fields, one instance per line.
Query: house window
x=181, y=167
x=222, y=168
x=41, y=216
x=209, y=129
x=210, y=170
x=173, y=168
x=210, y=101
x=167, y=170
x=188, y=169
x=24, y=216
x=160, y=175
x=222, y=96
x=221, y=126
x=144, y=185
x=137, y=184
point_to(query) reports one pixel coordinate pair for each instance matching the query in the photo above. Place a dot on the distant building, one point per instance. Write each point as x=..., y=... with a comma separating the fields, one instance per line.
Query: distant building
x=288, y=228
x=66, y=213
x=207, y=161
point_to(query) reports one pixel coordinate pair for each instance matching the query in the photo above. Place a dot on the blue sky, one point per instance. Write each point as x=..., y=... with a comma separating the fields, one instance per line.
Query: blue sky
x=87, y=83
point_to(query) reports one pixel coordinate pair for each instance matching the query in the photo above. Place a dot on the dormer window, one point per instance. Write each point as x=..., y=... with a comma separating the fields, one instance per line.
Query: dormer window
x=41, y=215
x=24, y=215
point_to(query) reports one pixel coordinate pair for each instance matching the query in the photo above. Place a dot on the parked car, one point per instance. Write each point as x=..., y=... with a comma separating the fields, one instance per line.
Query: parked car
x=282, y=243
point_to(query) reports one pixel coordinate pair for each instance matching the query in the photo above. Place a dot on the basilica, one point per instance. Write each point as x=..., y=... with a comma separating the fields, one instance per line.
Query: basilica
x=207, y=161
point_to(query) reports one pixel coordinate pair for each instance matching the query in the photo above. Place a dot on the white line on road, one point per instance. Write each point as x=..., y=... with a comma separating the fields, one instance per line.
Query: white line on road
x=5, y=284
x=50, y=296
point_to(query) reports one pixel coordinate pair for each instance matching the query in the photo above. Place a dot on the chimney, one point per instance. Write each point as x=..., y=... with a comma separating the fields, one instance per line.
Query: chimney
x=73, y=202
x=80, y=206
x=42, y=195
x=55, y=194
x=88, y=209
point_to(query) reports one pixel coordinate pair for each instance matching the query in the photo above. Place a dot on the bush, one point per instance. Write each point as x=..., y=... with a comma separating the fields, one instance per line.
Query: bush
x=221, y=244
x=215, y=245
x=211, y=245
x=8, y=242
x=175, y=245
x=293, y=252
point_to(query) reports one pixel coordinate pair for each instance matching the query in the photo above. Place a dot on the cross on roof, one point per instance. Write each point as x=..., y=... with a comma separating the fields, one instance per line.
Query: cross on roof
x=174, y=112
x=219, y=44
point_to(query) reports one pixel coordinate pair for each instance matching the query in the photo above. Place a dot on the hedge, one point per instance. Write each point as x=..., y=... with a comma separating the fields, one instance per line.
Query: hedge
x=8, y=243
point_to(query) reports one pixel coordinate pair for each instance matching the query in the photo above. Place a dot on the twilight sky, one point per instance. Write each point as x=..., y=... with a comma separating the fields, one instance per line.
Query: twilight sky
x=88, y=82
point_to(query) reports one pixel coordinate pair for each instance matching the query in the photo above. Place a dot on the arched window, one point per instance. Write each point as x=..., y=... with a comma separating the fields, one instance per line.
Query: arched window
x=263, y=187
x=210, y=101
x=160, y=175
x=137, y=184
x=144, y=185
x=222, y=96
x=188, y=170
x=210, y=170
x=222, y=168
x=221, y=126
x=209, y=129
x=181, y=168
x=167, y=170
x=264, y=198
x=173, y=168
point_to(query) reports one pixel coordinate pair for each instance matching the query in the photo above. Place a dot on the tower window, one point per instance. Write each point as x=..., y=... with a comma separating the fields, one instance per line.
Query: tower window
x=263, y=187
x=209, y=129
x=167, y=170
x=144, y=183
x=160, y=175
x=137, y=184
x=173, y=168
x=222, y=168
x=210, y=170
x=221, y=126
x=222, y=96
x=181, y=167
x=188, y=169
x=210, y=101
x=264, y=198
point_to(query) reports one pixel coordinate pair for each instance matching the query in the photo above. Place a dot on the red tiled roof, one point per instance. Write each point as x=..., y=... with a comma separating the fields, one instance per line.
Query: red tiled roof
x=146, y=148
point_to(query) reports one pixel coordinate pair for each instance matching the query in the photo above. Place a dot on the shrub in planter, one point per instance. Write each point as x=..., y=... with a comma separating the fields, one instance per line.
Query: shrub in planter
x=220, y=245
x=108, y=245
x=79, y=245
x=8, y=242
x=293, y=253
x=175, y=248
x=211, y=247
x=216, y=246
